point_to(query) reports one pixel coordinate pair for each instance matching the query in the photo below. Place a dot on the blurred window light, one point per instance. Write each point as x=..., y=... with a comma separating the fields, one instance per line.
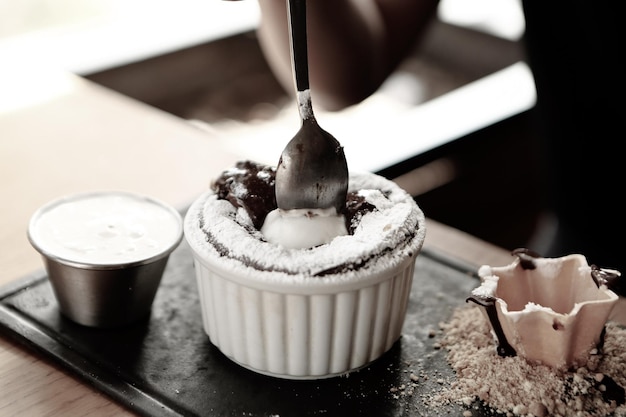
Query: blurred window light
x=502, y=18
x=82, y=36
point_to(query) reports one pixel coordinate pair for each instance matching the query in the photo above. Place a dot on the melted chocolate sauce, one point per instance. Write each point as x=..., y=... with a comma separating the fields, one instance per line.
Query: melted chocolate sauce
x=526, y=257
x=249, y=186
x=527, y=261
x=611, y=390
x=252, y=186
x=489, y=303
x=609, y=277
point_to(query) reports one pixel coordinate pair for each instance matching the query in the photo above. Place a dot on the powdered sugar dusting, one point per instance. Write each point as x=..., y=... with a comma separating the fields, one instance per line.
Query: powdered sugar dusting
x=220, y=232
x=487, y=288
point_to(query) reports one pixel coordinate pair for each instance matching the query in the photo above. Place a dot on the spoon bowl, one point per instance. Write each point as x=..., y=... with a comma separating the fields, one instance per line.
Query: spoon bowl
x=312, y=171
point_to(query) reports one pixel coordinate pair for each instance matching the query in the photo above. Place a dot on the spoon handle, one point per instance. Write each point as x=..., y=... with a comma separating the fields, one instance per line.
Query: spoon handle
x=299, y=58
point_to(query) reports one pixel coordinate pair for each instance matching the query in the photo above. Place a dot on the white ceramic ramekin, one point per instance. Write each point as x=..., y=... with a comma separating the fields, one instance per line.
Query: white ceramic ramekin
x=297, y=326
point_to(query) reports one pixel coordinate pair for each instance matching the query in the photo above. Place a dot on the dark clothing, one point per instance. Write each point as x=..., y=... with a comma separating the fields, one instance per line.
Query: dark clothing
x=575, y=50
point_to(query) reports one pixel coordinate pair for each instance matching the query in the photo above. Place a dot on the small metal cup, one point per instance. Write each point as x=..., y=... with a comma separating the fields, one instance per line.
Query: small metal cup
x=108, y=294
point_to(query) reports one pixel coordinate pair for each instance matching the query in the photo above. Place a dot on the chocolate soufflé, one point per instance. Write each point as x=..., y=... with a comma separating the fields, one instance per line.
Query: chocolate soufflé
x=303, y=313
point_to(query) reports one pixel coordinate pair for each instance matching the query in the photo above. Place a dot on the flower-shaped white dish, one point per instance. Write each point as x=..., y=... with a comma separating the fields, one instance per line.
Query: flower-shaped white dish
x=548, y=310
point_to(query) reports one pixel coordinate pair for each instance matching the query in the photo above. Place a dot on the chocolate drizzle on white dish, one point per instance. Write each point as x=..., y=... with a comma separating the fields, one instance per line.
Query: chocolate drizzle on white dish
x=381, y=218
x=601, y=276
x=608, y=278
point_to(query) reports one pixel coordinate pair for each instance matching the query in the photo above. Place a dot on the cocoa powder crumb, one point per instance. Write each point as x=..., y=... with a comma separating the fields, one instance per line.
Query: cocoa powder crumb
x=514, y=387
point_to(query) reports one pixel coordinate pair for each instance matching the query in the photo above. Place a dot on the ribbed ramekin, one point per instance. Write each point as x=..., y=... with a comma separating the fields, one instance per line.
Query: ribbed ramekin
x=297, y=326
x=307, y=333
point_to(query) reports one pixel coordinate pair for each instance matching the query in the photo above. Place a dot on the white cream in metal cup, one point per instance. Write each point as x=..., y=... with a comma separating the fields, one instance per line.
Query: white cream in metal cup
x=105, y=253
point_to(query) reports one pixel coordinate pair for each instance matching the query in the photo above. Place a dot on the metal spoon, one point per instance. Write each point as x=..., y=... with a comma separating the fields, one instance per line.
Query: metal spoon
x=312, y=172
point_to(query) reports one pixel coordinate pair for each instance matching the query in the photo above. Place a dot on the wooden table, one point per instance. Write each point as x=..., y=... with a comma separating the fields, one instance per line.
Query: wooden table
x=61, y=134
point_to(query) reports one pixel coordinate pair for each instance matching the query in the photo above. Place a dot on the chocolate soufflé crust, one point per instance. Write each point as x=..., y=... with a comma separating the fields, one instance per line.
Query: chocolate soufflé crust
x=251, y=186
x=384, y=227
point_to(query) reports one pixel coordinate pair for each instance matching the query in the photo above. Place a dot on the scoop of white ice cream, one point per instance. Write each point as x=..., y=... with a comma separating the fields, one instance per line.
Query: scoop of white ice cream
x=303, y=228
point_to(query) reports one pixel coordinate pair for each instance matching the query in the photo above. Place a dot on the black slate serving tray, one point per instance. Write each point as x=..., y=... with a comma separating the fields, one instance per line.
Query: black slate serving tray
x=166, y=366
